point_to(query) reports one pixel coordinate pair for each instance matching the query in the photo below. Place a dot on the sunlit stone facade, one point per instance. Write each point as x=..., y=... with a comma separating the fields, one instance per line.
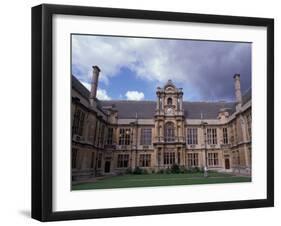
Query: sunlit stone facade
x=111, y=137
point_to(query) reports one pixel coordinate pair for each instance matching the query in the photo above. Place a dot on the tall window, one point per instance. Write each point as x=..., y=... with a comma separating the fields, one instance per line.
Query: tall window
x=192, y=136
x=145, y=160
x=73, y=158
x=109, y=136
x=225, y=135
x=213, y=159
x=78, y=122
x=124, y=136
x=192, y=159
x=169, y=158
x=212, y=135
x=169, y=101
x=146, y=136
x=169, y=132
x=122, y=160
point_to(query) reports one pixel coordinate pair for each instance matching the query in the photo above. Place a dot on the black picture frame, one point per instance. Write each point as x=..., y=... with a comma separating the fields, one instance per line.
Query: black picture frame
x=42, y=111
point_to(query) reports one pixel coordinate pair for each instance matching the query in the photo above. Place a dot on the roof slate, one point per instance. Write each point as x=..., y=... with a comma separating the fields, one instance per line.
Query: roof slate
x=206, y=110
x=129, y=108
x=146, y=109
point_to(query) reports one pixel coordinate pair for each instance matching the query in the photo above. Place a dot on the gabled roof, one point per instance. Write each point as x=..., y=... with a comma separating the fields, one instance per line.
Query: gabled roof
x=79, y=87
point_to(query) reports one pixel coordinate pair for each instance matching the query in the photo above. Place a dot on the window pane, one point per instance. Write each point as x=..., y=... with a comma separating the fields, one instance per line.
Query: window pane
x=124, y=136
x=146, y=136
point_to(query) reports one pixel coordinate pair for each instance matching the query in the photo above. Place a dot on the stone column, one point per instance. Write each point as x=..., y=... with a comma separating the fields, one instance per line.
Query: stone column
x=158, y=103
x=161, y=129
x=243, y=128
x=156, y=133
x=158, y=99
x=162, y=157
x=204, y=158
x=247, y=161
x=179, y=132
x=162, y=102
x=183, y=132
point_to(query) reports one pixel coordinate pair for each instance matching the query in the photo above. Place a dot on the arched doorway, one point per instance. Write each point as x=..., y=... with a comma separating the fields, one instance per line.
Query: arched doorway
x=107, y=167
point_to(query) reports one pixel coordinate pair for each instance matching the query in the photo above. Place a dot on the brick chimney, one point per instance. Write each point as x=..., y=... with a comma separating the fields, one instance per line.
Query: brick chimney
x=94, y=84
x=237, y=87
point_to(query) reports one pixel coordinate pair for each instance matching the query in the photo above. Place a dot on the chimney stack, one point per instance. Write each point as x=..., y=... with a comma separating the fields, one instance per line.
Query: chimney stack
x=237, y=87
x=94, y=84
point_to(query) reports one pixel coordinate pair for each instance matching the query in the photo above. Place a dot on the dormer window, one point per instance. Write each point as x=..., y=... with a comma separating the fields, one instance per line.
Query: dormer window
x=169, y=101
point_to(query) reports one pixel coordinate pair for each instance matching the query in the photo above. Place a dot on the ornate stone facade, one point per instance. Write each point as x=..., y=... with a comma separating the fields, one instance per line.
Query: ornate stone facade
x=110, y=137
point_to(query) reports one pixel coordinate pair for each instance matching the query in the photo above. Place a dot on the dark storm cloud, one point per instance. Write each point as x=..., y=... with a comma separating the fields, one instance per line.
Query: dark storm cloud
x=210, y=66
x=204, y=69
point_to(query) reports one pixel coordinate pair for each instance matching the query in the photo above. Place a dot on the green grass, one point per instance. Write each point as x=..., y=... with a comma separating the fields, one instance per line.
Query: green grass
x=152, y=180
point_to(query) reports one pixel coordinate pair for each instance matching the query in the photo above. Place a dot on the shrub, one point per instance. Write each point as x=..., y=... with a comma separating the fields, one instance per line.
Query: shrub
x=129, y=170
x=201, y=169
x=198, y=169
x=137, y=170
x=145, y=171
x=161, y=171
x=175, y=168
x=168, y=170
x=183, y=169
x=195, y=169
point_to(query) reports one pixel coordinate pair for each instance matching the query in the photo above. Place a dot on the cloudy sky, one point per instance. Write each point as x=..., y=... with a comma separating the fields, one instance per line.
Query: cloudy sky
x=132, y=68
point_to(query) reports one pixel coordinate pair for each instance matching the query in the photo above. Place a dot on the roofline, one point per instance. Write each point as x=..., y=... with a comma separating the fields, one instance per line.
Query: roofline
x=154, y=101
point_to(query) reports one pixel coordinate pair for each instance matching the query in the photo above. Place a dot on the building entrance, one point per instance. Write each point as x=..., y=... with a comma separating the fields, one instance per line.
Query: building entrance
x=227, y=165
x=107, y=167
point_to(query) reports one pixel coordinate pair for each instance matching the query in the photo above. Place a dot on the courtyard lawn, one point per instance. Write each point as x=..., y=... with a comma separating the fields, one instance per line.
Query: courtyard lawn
x=152, y=180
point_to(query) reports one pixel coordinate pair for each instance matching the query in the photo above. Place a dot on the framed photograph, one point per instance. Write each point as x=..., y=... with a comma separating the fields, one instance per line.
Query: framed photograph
x=146, y=112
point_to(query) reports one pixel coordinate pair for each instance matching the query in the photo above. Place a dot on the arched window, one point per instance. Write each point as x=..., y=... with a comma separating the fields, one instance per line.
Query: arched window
x=169, y=132
x=169, y=101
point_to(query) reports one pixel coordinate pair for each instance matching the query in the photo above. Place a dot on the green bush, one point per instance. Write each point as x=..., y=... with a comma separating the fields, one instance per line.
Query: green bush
x=183, y=169
x=129, y=170
x=195, y=170
x=145, y=171
x=137, y=170
x=175, y=168
x=168, y=170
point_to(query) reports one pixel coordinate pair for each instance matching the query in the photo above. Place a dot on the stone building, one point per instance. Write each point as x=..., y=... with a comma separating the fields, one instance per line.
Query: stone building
x=110, y=137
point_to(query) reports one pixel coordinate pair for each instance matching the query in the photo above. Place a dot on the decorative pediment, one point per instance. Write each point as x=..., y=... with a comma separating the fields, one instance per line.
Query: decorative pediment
x=169, y=87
